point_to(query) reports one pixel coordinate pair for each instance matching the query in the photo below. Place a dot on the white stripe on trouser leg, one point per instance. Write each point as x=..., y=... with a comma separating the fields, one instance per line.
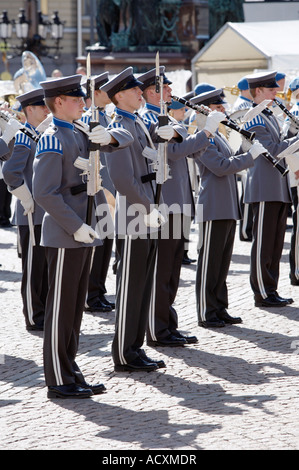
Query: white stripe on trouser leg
x=245, y=220
x=151, y=319
x=259, y=250
x=28, y=284
x=90, y=268
x=204, y=270
x=122, y=315
x=55, y=319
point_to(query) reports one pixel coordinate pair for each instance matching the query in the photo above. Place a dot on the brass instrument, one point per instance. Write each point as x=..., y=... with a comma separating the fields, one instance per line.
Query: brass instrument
x=233, y=89
x=286, y=97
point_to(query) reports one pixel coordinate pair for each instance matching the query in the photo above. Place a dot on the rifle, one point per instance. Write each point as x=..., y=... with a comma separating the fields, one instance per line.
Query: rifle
x=91, y=167
x=250, y=136
x=162, y=168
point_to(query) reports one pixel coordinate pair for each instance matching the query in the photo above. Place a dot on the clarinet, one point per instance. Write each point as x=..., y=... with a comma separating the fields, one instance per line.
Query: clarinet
x=233, y=125
x=293, y=118
x=25, y=131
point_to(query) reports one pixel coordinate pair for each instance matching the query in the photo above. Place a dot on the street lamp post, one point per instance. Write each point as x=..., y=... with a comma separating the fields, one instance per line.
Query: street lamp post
x=32, y=32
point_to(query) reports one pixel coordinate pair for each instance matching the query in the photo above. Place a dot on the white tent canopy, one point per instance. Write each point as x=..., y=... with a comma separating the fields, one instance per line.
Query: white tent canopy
x=241, y=48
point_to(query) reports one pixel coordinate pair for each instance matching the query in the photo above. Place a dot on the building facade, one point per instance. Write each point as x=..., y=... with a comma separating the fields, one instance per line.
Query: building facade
x=79, y=18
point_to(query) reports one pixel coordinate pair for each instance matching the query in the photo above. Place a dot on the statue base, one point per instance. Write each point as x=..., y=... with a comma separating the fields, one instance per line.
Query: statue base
x=115, y=62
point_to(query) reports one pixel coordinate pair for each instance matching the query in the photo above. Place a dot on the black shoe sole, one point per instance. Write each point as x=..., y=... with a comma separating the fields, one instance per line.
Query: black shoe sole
x=54, y=394
x=129, y=368
x=211, y=325
x=168, y=345
x=262, y=304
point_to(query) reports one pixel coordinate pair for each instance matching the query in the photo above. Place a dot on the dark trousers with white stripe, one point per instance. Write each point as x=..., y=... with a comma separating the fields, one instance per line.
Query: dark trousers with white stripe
x=163, y=319
x=245, y=227
x=134, y=281
x=294, y=251
x=69, y=270
x=212, y=268
x=34, y=285
x=98, y=274
x=269, y=225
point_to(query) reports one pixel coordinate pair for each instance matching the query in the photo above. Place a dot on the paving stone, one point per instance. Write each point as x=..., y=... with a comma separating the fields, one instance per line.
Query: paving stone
x=237, y=388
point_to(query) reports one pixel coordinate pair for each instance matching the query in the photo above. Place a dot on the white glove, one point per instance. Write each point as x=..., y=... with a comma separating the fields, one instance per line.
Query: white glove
x=85, y=234
x=246, y=144
x=11, y=129
x=82, y=126
x=256, y=150
x=3, y=121
x=293, y=162
x=99, y=135
x=45, y=123
x=201, y=120
x=213, y=121
x=165, y=132
x=154, y=219
x=23, y=193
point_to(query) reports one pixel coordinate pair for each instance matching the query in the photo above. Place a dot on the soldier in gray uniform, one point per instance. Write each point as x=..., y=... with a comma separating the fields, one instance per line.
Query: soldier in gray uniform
x=270, y=197
x=294, y=184
x=244, y=102
x=177, y=195
x=17, y=172
x=217, y=212
x=96, y=300
x=67, y=238
x=138, y=220
x=137, y=223
x=6, y=147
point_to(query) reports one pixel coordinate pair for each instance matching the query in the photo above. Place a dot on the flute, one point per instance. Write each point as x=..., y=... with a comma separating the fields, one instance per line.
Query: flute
x=233, y=125
x=22, y=129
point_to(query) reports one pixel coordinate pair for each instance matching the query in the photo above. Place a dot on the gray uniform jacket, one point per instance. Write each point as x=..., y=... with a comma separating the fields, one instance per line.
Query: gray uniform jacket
x=106, y=225
x=103, y=121
x=218, y=192
x=264, y=182
x=18, y=169
x=5, y=150
x=54, y=177
x=176, y=191
x=127, y=167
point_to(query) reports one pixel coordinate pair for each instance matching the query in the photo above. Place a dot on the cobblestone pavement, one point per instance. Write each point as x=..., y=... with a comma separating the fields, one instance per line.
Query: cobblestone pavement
x=236, y=389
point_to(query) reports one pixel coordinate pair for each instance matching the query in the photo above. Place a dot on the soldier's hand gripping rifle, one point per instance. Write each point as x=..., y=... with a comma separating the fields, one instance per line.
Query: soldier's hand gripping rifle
x=91, y=167
x=249, y=136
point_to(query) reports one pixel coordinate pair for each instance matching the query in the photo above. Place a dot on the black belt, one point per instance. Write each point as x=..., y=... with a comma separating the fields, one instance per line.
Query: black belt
x=80, y=188
x=149, y=177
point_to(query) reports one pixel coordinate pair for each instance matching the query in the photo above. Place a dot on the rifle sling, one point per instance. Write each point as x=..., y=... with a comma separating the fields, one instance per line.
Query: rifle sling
x=80, y=188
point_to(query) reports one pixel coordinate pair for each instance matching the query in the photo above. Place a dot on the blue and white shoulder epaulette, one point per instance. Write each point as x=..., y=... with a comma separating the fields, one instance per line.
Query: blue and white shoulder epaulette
x=86, y=117
x=48, y=143
x=150, y=116
x=22, y=139
x=116, y=122
x=257, y=121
